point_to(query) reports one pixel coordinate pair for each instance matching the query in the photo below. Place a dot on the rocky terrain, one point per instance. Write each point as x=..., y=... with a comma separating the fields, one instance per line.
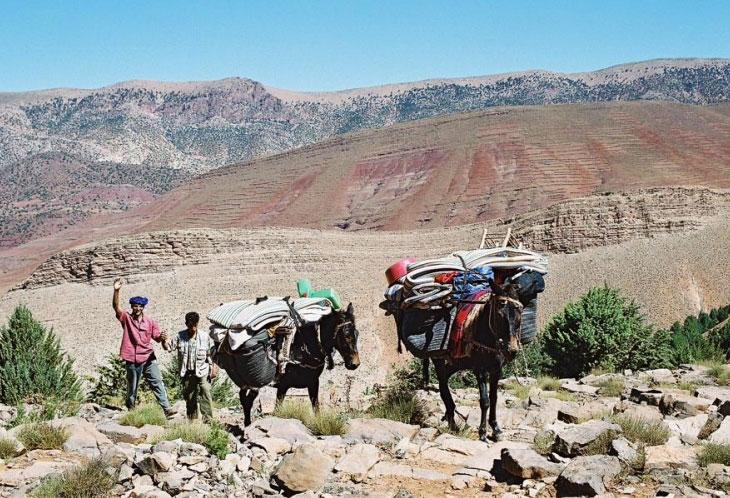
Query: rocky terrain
x=631, y=434
x=109, y=149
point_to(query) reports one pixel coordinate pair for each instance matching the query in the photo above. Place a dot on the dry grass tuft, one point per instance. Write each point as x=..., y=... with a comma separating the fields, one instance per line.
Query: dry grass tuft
x=144, y=414
x=43, y=436
x=93, y=479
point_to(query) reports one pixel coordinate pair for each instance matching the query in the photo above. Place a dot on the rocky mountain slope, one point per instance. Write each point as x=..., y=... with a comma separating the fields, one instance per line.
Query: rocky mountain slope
x=201, y=125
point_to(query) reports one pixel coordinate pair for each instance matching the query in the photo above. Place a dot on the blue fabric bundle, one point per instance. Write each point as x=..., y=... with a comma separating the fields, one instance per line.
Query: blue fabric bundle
x=139, y=300
x=468, y=282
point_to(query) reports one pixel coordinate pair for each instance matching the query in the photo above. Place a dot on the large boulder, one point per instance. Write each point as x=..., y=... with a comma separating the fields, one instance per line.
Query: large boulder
x=528, y=464
x=722, y=434
x=682, y=405
x=358, y=460
x=670, y=457
x=155, y=463
x=378, y=431
x=289, y=429
x=306, y=468
x=84, y=439
x=587, y=475
x=125, y=433
x=575, y=440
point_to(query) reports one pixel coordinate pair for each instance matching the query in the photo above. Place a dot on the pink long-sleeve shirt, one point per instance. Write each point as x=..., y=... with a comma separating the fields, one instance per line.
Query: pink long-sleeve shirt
x=137, y=337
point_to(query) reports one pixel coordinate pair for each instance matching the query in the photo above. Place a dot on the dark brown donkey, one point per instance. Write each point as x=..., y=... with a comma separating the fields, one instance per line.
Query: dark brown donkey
x=495, y=332
x=313, y=350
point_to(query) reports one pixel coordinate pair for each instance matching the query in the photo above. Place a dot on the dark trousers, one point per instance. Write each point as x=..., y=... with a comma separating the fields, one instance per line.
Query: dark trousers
x=151, y=373
x=191, y=385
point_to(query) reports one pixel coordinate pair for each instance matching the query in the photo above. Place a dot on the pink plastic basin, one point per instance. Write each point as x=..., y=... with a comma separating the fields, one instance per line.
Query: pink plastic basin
x=397, y=270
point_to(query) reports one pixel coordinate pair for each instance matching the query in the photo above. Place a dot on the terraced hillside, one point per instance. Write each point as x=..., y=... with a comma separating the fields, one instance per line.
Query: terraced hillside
x=462, y=168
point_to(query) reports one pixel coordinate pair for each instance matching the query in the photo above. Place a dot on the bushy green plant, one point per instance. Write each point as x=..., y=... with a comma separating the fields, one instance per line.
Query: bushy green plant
x=8, y=448
x=714, y=453
x=642, y=430
x=321, y=422
x=602, y=329
x=92, y=479
x=32, y=365
x=213, y=436
x=149, y=413
x=43, y=436
x=689, y=344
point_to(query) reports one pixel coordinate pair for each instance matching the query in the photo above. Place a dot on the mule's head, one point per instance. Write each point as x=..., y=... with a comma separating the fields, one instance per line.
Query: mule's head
x=344, y=336
x=507, y=315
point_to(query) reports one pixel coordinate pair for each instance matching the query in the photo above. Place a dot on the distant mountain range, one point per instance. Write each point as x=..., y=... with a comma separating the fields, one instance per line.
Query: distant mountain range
x=151, y=136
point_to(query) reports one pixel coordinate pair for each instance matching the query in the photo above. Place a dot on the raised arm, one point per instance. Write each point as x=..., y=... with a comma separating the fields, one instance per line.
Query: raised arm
x=115, y=299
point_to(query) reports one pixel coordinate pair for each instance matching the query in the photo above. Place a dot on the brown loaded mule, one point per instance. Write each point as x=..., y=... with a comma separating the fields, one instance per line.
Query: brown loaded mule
x=495, y=328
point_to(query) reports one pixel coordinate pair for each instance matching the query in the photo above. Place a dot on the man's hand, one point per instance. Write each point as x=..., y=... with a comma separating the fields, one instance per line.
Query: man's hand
x=163, y=336
x=118, y=284
x=213, y=371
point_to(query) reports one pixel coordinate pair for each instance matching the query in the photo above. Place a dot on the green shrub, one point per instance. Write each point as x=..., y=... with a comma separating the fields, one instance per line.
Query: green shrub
x=601, y=444
x=8, y=448
x=144, y=414
x=689, y=344
x=43, y=436
x=213, y=436
x=32, y=365
x=714, y=453
x=602, y=329
x=642, y=430
x=520, y=391
x=717, y=371
x=93, y=479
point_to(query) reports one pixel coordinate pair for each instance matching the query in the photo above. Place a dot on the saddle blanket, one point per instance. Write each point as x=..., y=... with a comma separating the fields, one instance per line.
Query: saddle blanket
x=460, y=339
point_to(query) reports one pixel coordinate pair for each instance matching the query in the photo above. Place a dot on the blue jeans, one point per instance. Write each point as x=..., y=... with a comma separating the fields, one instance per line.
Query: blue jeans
x=151, y=373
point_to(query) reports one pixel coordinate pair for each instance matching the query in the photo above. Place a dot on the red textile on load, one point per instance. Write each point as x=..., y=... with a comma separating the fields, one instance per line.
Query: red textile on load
x=457, y=341
x=445, y=278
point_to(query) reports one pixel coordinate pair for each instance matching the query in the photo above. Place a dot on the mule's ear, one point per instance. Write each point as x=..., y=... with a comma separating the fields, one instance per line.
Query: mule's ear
x=494, y=286
x=350, y=309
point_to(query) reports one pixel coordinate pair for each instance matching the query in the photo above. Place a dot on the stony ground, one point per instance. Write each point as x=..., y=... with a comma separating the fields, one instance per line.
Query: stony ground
x=583, y=452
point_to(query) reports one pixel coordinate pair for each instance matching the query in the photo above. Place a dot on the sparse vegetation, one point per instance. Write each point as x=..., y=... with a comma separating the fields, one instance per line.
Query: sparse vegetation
x=548, y=383
x=144, y=414
x=641, y=430
x=562, y=395
x=459, y=431
x=47, y=411
x=33, y=368
x=714, y=453
x=543, y=442
x=520, y=391
x=601, y=444
x=43, y=436
x=322, y=422
x=718, y=371
x=8, y=448
x=611, y=387
x=213, y=436
x=93, y=479
x=398, y=401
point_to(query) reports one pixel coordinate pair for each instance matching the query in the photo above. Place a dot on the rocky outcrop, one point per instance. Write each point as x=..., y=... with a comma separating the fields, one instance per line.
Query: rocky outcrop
x=570, y=226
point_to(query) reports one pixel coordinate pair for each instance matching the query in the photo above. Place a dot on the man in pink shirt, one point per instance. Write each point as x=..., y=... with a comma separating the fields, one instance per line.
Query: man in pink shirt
x=137, y=351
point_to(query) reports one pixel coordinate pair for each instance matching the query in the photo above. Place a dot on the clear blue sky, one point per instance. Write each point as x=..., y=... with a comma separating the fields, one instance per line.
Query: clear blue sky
x=327, y=45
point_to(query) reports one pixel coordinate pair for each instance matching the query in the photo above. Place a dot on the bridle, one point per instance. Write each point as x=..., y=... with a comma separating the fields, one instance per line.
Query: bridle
x=491, y=323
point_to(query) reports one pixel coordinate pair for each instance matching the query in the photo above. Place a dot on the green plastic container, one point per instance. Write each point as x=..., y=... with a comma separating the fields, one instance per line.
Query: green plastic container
x=304, y=288
x=329, y=294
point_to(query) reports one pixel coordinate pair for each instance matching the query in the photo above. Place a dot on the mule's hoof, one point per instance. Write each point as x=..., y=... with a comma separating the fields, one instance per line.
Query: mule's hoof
x=483, y=438
x=498, y=436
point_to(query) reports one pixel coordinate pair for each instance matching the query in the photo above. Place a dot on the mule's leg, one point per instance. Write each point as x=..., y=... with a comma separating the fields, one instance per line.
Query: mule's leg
x=247, y=397
x=443, y=375
x=494, y=377
x=483, y=403
x=425, y=374
x=313, y=389
x=281, y=390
